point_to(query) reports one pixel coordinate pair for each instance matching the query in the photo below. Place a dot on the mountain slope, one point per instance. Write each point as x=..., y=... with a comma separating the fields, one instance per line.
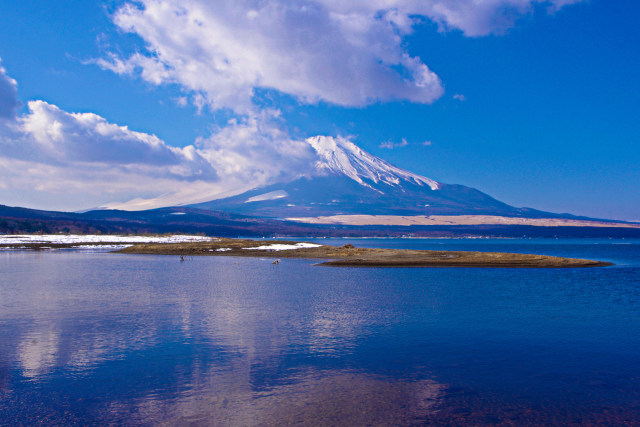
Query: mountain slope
x=348, y=180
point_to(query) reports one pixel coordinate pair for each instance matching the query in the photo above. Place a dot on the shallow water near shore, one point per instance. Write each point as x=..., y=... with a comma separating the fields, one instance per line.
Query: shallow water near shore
x=92, y=337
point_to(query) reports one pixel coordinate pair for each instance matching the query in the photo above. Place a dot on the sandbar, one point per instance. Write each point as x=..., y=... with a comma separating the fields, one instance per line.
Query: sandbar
x=350, y=256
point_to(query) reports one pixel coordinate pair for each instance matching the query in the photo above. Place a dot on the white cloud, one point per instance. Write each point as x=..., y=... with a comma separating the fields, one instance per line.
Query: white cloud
x=349, y=53
x=459, y=97
x=390, y=145
x=472, y=17
x=246, y=154
x=9, y=102
x=58, y=160
x=257, y=149
x=55, y=137
x=226, y=49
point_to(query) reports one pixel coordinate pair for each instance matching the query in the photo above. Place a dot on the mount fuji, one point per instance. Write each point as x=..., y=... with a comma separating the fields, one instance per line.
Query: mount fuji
x=347, y=180
x=346, y=191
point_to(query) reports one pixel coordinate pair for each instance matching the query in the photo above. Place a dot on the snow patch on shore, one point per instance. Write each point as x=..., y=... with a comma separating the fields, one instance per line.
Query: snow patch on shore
x=75, y=238
x=101, y=247
x=282, y=247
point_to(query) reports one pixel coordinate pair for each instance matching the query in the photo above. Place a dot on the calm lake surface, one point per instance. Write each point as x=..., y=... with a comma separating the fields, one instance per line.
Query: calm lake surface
x=97, y=338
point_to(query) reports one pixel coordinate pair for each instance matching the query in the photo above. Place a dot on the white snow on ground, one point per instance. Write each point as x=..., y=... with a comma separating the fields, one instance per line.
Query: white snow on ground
x=222, y=249
x=74, y=238
x=280, y=247
x=101, y=247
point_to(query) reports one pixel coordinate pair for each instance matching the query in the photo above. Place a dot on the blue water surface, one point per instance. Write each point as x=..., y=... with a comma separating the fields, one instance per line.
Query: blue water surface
x=94, y=337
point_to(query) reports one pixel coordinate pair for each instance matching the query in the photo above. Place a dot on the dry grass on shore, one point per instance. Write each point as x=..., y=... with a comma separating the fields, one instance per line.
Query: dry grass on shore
x=350, y=256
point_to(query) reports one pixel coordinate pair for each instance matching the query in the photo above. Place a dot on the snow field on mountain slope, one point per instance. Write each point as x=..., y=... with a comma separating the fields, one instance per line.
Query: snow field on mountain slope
x=344, y=157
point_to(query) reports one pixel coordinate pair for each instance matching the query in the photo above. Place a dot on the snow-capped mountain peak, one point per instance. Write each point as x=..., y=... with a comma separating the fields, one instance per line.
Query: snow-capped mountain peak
x=340, y=156
x=349, y=181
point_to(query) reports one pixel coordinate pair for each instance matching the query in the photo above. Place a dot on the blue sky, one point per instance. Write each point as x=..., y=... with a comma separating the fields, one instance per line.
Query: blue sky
x=533, y=102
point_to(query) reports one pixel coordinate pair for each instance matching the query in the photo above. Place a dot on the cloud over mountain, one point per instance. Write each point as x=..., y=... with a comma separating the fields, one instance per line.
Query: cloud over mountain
x=256, y=149
x=80, y=159
x=220, y=53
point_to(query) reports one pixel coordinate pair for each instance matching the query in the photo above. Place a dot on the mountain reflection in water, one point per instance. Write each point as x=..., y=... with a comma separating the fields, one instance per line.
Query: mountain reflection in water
x=105, y=338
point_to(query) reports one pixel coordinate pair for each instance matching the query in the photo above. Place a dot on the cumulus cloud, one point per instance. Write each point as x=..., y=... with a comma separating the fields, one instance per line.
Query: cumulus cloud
x=78, y=160
x=256, y=148
x=9, y=102
x=83, y=160
x=226, y=49
x=348, y=53
x=246, y=154
x=55, y=137
x=53, y=159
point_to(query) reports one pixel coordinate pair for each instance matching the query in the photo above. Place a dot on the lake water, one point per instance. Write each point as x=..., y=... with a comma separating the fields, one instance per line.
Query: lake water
x=98, y=338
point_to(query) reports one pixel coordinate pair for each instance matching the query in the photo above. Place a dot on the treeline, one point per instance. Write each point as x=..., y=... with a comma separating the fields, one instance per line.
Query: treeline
x=39, y=226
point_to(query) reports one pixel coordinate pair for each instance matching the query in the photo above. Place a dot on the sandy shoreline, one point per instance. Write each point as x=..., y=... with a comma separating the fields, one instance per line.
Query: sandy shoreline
x=452, y=220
